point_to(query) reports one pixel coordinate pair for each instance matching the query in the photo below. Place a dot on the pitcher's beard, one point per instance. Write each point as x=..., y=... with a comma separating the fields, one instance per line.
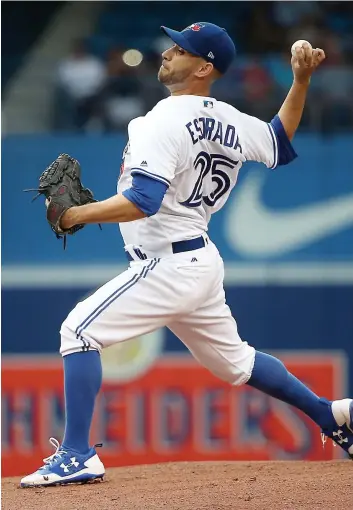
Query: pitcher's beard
x=164, y=76
x=168, y=77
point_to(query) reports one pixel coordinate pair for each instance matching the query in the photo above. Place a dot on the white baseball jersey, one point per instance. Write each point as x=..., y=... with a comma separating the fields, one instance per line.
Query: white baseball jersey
x=196, y=145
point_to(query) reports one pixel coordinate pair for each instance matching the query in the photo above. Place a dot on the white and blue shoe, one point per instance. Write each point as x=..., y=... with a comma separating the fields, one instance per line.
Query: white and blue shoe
x=65, y=467
x=342, y=434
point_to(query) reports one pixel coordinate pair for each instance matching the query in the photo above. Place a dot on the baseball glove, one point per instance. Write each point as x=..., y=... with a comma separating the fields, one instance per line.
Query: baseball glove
x=61, y=185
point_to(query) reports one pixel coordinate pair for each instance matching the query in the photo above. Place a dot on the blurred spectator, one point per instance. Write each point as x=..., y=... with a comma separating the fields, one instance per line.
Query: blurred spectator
x=257, y=81
x=248, y=86
x=309, y=28
x=122, y=96
x=262, y=34
x=229, y=88
x=289, y=14
x=336, y=96
x=80, y=79
x=332, y=46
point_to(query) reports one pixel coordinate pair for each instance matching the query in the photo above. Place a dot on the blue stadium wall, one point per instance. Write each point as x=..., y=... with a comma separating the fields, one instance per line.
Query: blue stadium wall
x=294, y=296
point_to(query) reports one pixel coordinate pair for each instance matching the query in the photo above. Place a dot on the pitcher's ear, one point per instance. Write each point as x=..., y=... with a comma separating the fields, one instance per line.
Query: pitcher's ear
x=205, y=69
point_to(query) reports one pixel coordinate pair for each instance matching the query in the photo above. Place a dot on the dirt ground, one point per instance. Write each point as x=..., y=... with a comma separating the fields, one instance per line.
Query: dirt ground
x=196, y=486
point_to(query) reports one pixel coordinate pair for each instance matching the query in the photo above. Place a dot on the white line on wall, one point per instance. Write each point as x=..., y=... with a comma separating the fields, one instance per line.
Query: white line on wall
x=282, y=274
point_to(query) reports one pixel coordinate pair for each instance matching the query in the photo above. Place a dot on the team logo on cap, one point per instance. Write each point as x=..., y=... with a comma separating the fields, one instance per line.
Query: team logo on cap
x=196, y=27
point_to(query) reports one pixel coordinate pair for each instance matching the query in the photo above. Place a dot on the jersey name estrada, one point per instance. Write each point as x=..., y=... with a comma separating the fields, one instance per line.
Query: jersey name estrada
x=196, y=145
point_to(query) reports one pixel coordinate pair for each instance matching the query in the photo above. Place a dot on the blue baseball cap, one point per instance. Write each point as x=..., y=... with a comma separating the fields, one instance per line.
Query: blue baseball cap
x=205, y=40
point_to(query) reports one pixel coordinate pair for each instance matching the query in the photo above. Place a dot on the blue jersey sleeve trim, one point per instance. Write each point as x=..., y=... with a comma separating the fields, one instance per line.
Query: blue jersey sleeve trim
x=142, y=171
x=286, y=152
x=146, y=193
x=275, y=146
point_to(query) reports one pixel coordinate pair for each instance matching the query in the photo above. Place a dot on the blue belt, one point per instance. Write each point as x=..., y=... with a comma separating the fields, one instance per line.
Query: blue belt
x=177, y=247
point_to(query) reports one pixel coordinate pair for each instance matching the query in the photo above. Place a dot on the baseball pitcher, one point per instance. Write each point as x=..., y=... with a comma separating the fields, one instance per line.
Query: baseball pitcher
x=179, y=167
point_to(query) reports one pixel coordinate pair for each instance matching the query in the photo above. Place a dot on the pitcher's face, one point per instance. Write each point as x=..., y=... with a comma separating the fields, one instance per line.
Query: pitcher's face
x=178, y=66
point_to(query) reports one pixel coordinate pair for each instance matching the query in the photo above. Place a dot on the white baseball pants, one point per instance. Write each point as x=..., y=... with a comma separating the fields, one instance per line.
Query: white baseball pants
x=182, y=291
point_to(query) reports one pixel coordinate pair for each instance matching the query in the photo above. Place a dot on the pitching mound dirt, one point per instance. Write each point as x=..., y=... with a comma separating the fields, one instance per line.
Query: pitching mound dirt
x=194, y=486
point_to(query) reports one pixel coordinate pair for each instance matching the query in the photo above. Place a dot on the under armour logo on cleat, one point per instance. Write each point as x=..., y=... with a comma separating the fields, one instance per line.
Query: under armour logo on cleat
x=144, y=163
x=341, y=439
x=194, y=259
x=73, y=463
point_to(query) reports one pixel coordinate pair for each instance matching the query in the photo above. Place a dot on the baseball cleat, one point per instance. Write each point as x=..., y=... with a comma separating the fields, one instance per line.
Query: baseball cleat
x=342, y=434
x=65, y=467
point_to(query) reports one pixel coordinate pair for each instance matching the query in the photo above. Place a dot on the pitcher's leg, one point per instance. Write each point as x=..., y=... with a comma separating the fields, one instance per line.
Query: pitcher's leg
x=134, y=303
x=335, y=418
x=216, y=344
x=211, y=335
x=123, y=308
x=82, y=382
x=74, y=460
x=270, y=376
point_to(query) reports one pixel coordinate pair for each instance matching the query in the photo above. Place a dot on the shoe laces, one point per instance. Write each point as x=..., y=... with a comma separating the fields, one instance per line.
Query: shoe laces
x=324, y=441
x=59, y=452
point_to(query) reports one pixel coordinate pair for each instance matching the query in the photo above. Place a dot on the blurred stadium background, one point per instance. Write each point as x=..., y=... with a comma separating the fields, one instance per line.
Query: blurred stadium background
x=73, y=75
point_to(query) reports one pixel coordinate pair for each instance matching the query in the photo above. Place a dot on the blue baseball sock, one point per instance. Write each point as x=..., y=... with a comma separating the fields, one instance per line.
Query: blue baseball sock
x=271, y=377
x=83, y=379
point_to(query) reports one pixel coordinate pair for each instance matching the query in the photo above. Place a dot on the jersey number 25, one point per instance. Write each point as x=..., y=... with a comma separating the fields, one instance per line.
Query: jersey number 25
x=210, y=164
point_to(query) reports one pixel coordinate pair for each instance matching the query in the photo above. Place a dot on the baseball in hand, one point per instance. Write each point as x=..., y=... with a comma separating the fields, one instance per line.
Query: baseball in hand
x=300, y=45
